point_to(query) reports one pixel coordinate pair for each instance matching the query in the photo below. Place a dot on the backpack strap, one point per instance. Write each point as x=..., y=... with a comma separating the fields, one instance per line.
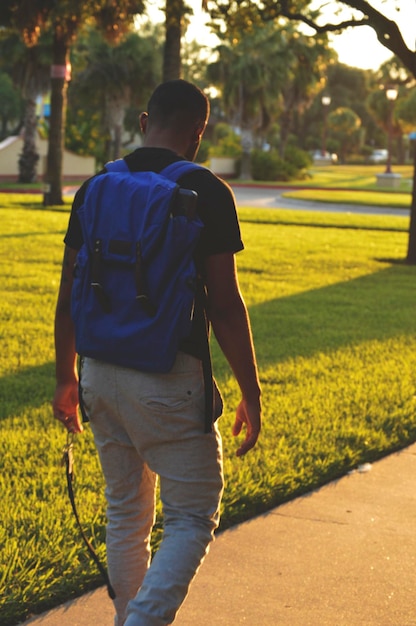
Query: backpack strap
x=177, y=169
x=117, y=166
x=173, y=171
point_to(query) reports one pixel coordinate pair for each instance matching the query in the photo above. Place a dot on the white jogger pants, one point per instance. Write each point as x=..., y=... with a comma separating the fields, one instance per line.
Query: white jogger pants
x=148, y=425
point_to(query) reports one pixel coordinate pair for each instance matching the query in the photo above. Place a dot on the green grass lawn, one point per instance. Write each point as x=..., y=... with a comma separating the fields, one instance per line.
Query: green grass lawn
x=359, y=177
x=350, y=184
x=347, y=196
x=333, y=313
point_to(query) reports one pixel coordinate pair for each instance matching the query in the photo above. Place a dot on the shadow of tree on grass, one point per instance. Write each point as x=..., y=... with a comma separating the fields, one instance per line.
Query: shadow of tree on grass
x=27, y=388
x=373, y=307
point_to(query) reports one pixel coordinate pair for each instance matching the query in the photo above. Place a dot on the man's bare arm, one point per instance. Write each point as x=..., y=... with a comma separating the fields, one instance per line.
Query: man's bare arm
x=231, y=326
x=65, y=402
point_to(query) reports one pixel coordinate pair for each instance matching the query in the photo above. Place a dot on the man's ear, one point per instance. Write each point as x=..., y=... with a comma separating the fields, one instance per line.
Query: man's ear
x=144, y=117
x=198, y=133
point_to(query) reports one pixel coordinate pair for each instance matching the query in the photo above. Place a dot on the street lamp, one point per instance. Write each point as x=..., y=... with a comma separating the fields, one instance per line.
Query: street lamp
x=391, y=94
x=326, y=101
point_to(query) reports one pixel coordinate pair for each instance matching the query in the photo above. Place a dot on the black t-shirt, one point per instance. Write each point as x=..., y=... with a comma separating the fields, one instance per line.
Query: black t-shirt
x=216, y=208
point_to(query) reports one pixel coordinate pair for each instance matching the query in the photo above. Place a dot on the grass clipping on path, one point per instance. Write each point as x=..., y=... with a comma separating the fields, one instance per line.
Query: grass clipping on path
x=333, y=315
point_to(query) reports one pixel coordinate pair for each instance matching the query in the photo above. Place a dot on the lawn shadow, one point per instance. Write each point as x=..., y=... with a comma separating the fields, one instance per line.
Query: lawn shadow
x=30, y=205
x=378, y=306
x=314, y=224
x=32, y=234
x=30, y=387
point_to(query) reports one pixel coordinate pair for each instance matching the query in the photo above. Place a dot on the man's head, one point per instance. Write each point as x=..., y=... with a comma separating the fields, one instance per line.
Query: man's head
x=176, y=117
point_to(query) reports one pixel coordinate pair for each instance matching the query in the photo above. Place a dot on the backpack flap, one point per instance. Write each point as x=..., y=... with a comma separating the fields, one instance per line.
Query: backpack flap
x=134, y=285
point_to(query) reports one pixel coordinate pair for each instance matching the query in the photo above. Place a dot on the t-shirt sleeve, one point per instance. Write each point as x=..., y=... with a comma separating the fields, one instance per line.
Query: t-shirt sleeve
x=217, y=209
x=74, y=238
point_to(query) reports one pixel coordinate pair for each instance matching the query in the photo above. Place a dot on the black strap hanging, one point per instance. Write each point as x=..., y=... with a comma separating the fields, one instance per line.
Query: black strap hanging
x=201, y=320
x=68, y=461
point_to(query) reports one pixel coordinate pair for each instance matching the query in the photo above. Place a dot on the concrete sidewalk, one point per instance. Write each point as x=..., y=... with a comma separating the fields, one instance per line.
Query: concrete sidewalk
x=344, y=555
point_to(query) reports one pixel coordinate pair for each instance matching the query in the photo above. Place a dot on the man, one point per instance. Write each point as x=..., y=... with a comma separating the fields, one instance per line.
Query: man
x=147, y=425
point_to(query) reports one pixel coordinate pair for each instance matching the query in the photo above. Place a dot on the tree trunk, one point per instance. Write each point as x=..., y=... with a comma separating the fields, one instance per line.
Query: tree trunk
x=411, y=249
x=285, y=126
x=172, y=67
x=116, y=112
x=117, y=141
x=59, y=86
x=247, y=143
x=30, y=156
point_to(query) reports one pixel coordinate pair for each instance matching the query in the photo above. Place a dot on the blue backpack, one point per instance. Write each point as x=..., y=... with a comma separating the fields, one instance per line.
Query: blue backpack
x=135, y=278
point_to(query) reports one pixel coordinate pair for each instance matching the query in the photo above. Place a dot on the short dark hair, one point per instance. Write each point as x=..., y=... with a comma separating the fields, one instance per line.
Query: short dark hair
x=178, y=102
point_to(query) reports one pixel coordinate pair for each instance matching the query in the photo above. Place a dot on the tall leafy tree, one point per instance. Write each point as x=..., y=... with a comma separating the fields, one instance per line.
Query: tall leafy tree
x=361, y=13
x=350, y=87
x=64, y=19
x=266, y=72
x=388, y=114
x=116, y=78
x=174, y=27
x=307, y=60
x=347, y=87
x=177, y=15
x=250, y=72
x=345, y=125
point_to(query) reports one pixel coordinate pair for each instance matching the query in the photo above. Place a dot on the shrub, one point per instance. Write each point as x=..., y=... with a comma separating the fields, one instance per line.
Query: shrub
x=221, y=130
x=297, y=157
x=228, y=146
x=203, y=152
x=269, y=166
x=366, y=151
x=356, y=159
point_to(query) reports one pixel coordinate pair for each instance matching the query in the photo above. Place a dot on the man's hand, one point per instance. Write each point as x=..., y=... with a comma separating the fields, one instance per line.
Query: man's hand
x=250, y=415
x=65, y=406
x=65, y=402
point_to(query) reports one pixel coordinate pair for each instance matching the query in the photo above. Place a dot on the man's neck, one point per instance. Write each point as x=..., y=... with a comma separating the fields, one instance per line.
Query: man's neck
x=167, y=138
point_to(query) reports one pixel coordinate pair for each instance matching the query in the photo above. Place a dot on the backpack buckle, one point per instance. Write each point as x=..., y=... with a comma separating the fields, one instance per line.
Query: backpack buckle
x=102, y=297
x=142, y=296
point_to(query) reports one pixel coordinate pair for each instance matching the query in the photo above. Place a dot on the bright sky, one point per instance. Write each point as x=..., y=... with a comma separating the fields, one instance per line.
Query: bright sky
x=357, y=47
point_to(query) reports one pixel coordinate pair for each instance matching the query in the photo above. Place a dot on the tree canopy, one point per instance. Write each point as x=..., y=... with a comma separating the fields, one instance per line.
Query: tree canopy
x=322, y=17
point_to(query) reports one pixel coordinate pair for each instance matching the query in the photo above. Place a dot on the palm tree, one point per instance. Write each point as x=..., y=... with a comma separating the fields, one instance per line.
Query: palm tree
x=175, y=11
x=118, y=77
x=306, y=59
x=30, y=71
x=176, y=22
x=250, y=70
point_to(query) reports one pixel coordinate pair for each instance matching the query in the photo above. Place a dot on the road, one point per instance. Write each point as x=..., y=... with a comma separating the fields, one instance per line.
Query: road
x=268, y=198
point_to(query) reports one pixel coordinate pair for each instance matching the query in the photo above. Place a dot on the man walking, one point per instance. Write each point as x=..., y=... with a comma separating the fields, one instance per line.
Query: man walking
x=148, y=425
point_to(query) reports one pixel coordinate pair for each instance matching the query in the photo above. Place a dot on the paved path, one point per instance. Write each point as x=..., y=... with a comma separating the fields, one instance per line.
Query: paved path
x=273, y=198
x=344, y=555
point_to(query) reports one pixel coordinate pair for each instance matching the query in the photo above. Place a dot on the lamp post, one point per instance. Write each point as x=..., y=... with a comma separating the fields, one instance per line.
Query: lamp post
x=326, y=101
x=391, y=94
